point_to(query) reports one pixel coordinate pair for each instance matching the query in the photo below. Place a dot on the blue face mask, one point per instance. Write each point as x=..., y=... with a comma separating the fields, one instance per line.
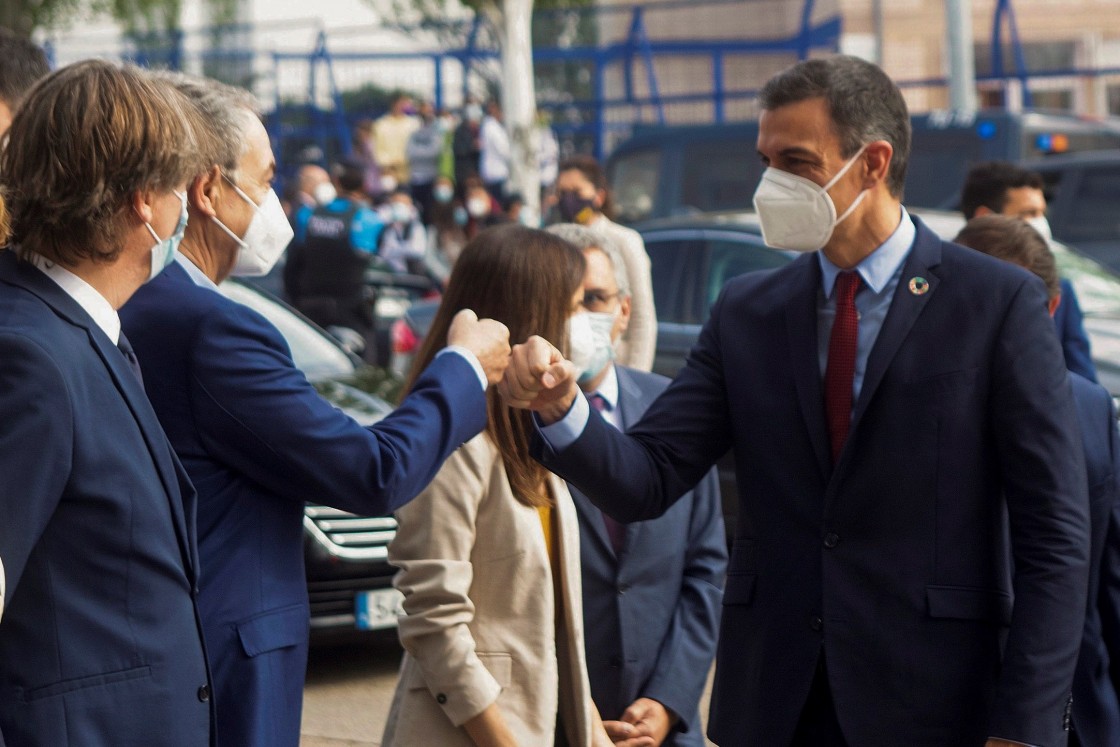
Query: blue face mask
x=163, y=253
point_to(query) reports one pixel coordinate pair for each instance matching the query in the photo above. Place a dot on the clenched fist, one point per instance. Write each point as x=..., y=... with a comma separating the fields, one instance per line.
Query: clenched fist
x=486, y=338
x=539, y=379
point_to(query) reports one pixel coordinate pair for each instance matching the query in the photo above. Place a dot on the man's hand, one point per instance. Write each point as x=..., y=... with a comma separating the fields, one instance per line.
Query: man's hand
x=646, y=723
x=486, y=338
x=539, y=379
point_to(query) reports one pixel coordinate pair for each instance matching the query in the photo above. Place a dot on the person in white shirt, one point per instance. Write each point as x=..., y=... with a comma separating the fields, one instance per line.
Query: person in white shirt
x=404, y=241
x=493, y=166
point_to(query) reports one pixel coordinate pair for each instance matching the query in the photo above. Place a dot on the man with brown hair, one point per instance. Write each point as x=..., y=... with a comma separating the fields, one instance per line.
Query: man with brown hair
x=100, y=641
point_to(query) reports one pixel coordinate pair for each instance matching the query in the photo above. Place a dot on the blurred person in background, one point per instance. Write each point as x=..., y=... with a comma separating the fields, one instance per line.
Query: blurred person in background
x=425, y=148
x=1096, y=708
x=483, y=209
x=22, y=63
x=494, y=150
x=325, y=274
x=583, y=197
x=1002, y=188
x=311, y=188
x=256, y=437
x=100, y=643
x=650, y=648
x=465, y=143
x=362, y=151
x=447, y=233
x=489, y=552
x=404, y=241
x=391, y=133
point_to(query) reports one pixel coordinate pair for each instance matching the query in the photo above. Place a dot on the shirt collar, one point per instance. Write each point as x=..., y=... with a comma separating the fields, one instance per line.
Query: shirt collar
x=879, y=267
x=86, y=296
x=608, y=389
x=197, y=275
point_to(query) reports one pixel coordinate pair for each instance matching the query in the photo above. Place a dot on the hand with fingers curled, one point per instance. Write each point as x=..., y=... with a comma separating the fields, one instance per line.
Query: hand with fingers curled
x=540, y=379
x=646, y=723
x=486, y=338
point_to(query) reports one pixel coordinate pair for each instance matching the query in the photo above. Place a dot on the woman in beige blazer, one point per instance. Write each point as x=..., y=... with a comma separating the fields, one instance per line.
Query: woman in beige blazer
x=489, y=552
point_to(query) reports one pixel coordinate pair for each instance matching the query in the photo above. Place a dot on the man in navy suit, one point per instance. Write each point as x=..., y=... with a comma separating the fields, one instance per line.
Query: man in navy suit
x=902, y=427
x=258, y=440
x=100, y=643
x=1096, y=708
x=1002, y=188
x=651, y=589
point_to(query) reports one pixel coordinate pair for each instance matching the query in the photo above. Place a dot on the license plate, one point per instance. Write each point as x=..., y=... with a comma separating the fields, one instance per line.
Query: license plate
x=379, y=609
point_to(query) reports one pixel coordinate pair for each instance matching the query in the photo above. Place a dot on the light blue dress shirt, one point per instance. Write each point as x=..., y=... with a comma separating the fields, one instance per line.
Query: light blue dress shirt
x=880, y=271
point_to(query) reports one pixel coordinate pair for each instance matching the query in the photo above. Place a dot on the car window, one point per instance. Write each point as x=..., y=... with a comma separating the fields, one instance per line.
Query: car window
x=313, y=352
x=729, y=258
x=674, y=263
x=719, y=175
x=1093, y=215
x=634, y=179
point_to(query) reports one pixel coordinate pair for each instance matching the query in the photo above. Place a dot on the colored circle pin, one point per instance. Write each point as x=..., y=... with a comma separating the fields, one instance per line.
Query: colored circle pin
x=919, y=286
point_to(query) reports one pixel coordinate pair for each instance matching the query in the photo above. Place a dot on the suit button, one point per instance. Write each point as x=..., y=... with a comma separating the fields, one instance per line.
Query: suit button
x=204, y=694
x=816, y=623
x=616, y=662
x=831, y=540
x=441, y=698
x=623, y=588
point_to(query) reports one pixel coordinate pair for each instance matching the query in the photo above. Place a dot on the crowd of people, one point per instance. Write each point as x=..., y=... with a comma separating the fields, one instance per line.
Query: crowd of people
x=923, y=539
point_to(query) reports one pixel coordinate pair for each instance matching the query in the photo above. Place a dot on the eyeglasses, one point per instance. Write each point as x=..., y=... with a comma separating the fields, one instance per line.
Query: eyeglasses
x=594, y=300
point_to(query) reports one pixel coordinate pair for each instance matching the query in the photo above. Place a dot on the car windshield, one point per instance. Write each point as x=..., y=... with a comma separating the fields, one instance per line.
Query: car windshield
x=312, y=351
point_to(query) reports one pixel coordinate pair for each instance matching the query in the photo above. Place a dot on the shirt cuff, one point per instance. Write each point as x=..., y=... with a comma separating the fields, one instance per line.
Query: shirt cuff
x=471, y=359
x=564, y=432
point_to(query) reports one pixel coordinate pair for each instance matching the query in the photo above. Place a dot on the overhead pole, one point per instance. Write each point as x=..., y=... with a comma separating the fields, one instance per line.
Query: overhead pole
x=962, y=64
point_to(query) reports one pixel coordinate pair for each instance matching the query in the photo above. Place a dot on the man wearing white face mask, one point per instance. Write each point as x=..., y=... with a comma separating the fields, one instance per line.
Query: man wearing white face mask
x=257, y=439
x=910, y=559
x=1003, y=188
x=649, y=648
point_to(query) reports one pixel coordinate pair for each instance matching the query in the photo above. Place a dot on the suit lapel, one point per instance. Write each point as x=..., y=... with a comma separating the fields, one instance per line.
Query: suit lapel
x=801, y=327
x=905, y=308
x=30, y=278
x=632, y=404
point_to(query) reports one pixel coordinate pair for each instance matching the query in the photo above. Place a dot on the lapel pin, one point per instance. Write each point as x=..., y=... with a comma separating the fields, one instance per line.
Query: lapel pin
x=919, y=286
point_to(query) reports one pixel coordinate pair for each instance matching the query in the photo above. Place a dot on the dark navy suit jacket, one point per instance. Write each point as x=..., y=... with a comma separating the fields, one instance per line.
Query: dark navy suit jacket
x=964, y=451
x=258, y=441
x=1096, y=710
x=651, y=612
x=1071, y=333
x=100, y=642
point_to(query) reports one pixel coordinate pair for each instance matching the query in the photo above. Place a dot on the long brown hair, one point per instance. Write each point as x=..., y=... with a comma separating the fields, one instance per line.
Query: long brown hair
x=525, y=279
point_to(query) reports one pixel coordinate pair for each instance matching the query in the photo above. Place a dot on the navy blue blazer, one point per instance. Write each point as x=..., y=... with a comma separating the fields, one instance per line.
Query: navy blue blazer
x=894, y=564
x=651, y=613
x=1096, y=711
x=100, y=642
x=1071, y=333
x=257, y=441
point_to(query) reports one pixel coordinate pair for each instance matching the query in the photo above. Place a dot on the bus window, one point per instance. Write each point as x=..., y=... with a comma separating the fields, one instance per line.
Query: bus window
x=719, y=175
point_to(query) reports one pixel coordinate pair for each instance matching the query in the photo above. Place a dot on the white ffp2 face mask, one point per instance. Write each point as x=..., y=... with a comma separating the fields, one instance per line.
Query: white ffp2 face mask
x=266, y=238
x=796, y=213
x=163, y=251
x=589, y=342
x=1040, y=224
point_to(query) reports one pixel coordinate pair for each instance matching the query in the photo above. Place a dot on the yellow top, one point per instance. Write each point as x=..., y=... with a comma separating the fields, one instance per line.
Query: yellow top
x=546, y=525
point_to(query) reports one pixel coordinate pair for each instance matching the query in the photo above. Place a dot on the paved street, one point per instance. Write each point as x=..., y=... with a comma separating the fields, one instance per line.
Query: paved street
x=349, y=689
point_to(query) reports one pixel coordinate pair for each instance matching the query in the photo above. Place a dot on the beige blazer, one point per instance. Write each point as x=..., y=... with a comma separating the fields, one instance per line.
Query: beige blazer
x=637, y=346
x=480, y=614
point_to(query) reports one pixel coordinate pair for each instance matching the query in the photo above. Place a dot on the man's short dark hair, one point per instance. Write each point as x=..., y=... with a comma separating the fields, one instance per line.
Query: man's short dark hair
x=350, y=173
x=864, y=103
x=1014, y=241
x=987, y=184
x=22, y=64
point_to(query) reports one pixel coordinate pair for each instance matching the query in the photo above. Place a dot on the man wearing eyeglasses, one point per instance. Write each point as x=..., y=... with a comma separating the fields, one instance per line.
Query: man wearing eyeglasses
x=651, y=589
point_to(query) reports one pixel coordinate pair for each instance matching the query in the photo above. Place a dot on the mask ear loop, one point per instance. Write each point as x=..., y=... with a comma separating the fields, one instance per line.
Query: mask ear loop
x=836, y=178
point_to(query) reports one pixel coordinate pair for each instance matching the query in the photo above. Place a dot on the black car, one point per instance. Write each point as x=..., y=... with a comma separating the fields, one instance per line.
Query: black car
x=349, y=579
x=1081, y=195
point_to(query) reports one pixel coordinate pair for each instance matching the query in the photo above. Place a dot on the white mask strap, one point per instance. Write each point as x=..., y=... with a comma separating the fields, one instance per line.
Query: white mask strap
x=844, y=169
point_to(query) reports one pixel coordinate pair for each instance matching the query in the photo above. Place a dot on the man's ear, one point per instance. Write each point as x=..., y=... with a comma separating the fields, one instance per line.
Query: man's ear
x=983, y=210
x=877, y=155
x=1054, y=303
x=623, y=315
x=205, y=190
x=142, y=206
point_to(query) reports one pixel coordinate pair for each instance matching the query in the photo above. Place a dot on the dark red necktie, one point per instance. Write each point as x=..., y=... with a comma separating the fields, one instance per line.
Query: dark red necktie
x=616, y=531
x=841, y=370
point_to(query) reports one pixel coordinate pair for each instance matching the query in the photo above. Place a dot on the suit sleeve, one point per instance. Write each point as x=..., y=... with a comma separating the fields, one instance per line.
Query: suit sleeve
x=432, y=549
x=256, y=412
x=639, y=474
x=35, y=449
x=686, y=653
x=1043, y=467
x=1108, y=597
x=1075, y=343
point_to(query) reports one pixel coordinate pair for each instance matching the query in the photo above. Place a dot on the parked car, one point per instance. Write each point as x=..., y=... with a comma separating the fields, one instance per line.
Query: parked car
x=349, y=579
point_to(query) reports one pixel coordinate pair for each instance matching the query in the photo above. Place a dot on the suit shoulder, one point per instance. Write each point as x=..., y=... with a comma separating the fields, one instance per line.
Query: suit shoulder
x=1089, y=394
x=976, y=267
x=650, y=383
